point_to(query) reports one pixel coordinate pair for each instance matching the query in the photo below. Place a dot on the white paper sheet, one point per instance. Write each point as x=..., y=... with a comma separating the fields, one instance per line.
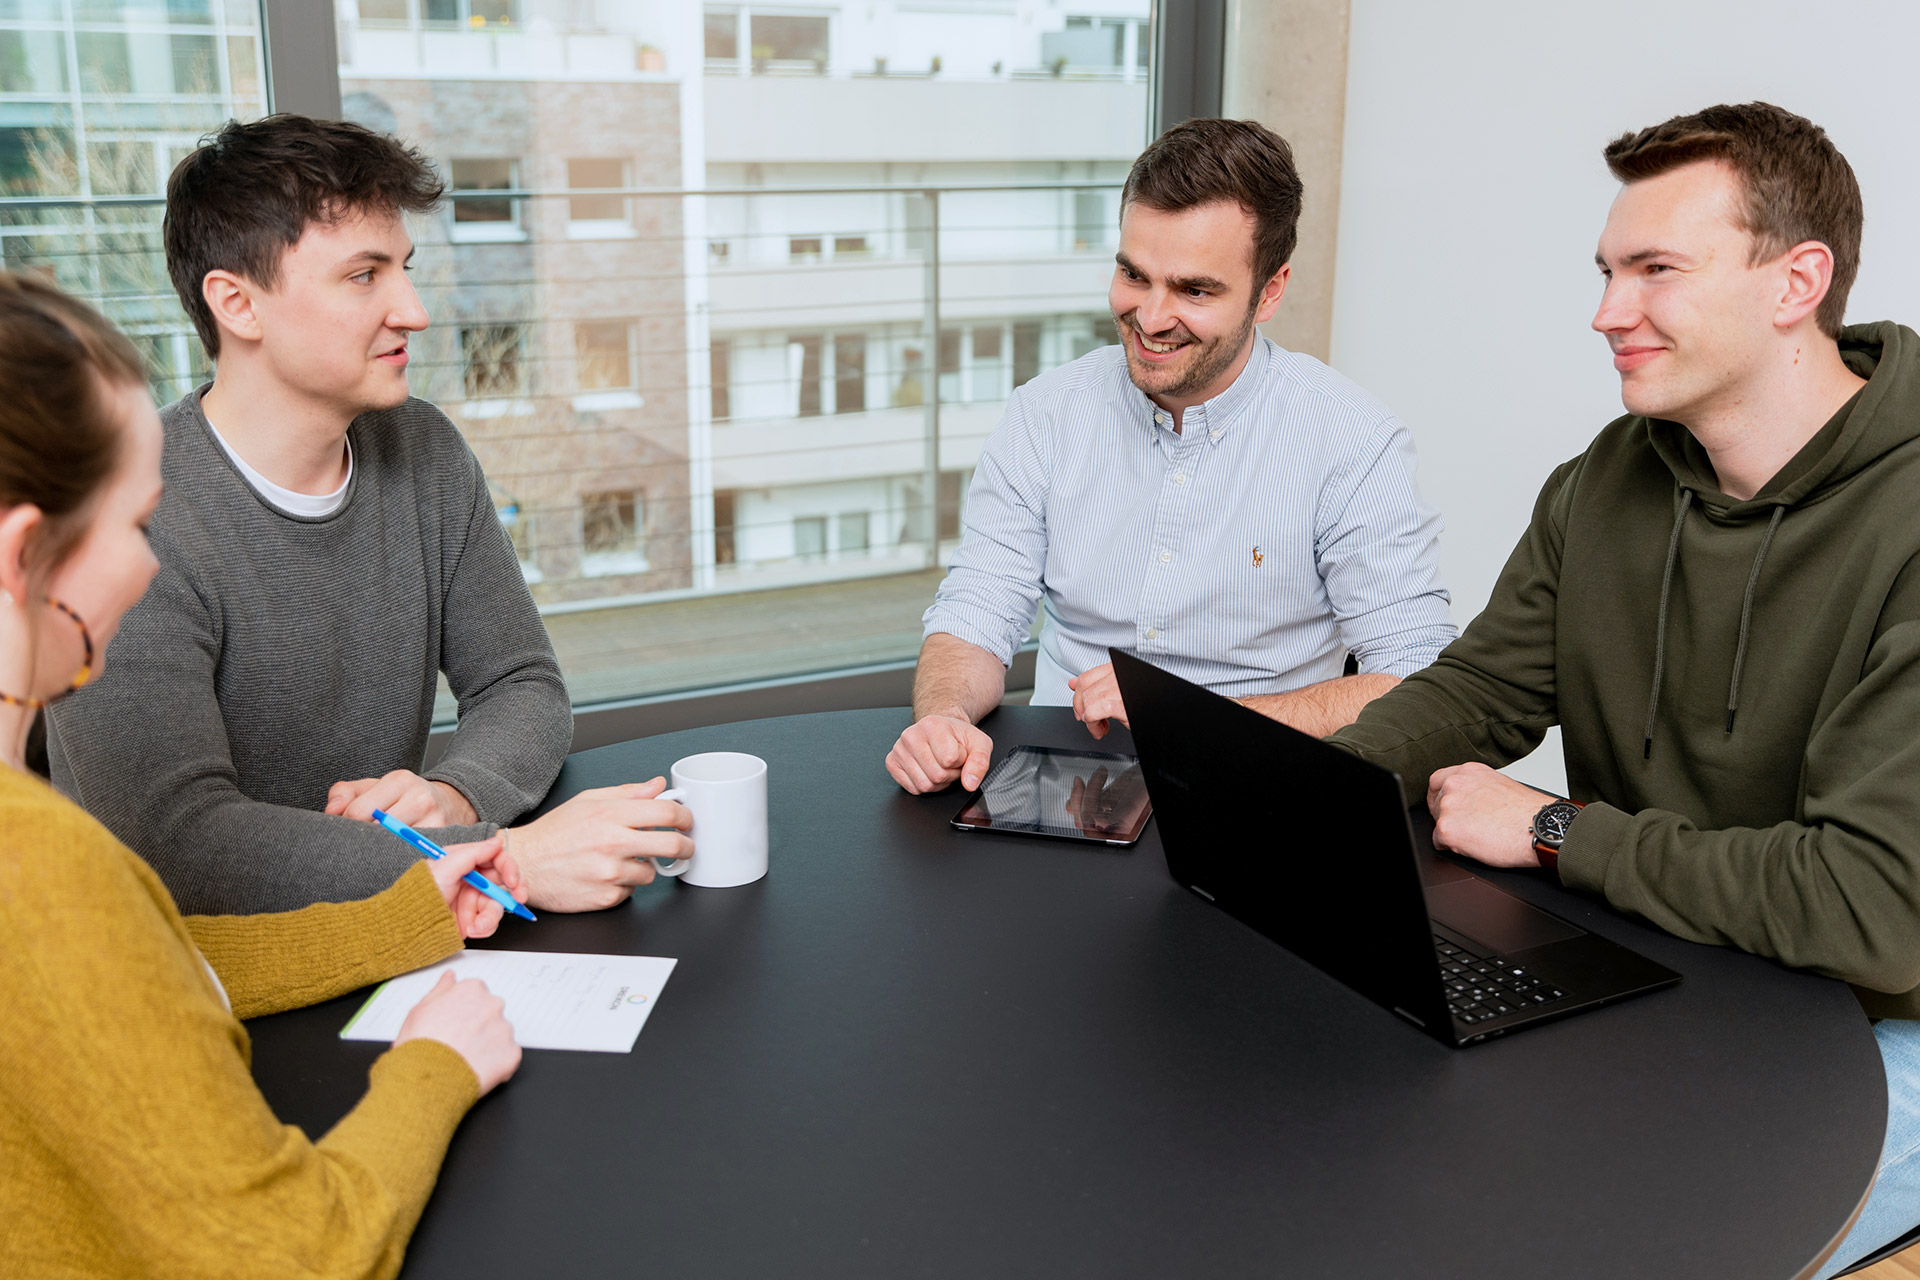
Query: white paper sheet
x=554, y=1001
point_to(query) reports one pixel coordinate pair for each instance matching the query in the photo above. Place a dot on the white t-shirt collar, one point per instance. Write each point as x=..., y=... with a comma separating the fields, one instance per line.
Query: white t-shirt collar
x=306, y=505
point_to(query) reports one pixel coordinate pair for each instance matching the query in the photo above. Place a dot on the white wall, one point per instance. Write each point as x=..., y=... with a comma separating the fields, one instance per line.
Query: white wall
x=1473, y=192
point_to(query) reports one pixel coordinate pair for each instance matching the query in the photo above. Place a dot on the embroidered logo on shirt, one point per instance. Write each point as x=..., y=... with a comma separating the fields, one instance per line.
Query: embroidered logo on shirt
x=1258, y=559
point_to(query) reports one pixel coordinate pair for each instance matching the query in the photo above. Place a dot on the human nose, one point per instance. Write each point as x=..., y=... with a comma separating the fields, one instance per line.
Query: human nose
x=407, y=312
x=1157, y=313
x=1617, y=312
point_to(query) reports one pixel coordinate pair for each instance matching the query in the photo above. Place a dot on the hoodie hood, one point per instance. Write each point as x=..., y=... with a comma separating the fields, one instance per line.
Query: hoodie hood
x=1879, y=419
x=1865, y=429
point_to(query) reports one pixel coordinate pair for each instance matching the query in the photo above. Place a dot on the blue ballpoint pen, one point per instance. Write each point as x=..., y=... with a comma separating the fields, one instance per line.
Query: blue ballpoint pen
x=434, y=851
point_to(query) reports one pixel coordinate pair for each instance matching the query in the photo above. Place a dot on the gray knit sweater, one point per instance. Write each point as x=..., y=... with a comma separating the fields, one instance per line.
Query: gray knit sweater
x=275, y=656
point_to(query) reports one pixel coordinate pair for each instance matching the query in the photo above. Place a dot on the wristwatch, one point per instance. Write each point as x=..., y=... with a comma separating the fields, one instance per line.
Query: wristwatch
x=1550, y=830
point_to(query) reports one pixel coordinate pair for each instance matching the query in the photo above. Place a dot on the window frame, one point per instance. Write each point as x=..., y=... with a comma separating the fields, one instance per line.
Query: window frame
x=300, y=58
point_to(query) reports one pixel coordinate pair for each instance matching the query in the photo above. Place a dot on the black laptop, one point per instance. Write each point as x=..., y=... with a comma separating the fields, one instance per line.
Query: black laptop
x=1314, y=847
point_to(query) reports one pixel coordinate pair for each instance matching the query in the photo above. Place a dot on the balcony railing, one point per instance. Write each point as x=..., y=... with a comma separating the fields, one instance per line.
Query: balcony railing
x=728, y=430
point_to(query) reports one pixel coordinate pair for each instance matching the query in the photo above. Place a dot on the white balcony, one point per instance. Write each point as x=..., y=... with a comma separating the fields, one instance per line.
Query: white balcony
x=399, y=53
x=817, y=296
x=783, y=452
x=830, y=120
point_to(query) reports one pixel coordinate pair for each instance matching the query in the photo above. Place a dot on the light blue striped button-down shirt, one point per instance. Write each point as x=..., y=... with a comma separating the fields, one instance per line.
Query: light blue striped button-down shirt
x=1250, y=552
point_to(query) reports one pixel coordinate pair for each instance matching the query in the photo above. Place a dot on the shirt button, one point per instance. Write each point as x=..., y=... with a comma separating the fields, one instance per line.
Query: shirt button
x=1166, y=557
x=1180, y=477
x=1214, y=436
x=1152, y=634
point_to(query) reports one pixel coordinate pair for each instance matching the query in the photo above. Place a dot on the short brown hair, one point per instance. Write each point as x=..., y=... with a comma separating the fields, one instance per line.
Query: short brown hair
x=246, y=196
x=59, y=434
x=1200, y=161
x=1798, y=185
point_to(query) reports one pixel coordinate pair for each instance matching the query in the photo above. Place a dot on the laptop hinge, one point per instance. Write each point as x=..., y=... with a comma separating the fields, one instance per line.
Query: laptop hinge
x=1409, y=1017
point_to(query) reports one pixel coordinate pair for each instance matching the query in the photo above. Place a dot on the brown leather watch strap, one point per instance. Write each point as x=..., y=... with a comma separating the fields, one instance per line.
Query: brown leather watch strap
x=1548, y=855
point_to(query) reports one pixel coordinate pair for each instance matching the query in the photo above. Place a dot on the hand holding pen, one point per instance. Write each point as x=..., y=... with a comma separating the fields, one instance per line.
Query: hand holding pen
x=476, y=901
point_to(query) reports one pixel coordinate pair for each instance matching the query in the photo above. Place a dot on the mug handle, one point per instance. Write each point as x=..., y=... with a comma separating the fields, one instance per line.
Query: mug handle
x=672, y=866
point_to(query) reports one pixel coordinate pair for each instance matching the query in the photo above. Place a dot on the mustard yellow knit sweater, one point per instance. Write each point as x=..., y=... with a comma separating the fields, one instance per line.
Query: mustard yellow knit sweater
x=133, y=1141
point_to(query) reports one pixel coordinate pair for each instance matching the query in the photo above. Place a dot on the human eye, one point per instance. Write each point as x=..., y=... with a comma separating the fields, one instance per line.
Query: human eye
x=362, y=277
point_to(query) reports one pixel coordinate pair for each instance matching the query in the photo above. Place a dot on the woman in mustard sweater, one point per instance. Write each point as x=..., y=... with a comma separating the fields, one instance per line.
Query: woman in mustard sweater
x=133, y=1141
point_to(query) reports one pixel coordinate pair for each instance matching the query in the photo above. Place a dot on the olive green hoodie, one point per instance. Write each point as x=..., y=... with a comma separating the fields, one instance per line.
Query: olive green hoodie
x=1738, y=683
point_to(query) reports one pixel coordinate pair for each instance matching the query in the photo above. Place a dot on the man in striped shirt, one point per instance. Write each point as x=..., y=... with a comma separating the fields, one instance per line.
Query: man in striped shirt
x=1239, y=514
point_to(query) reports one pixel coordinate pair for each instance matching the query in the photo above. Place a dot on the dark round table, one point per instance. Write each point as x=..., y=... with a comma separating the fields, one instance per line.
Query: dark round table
x=915, y=1052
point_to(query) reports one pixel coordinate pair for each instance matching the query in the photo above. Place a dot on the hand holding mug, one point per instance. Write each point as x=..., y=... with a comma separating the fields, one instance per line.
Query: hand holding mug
x=726, y=792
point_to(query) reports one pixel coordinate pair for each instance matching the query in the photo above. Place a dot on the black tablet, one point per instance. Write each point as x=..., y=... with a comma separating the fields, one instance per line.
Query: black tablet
x=1071, y=795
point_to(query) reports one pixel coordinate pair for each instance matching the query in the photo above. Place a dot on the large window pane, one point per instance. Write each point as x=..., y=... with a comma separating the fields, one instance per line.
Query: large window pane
x=101, y=97
x=706, y=405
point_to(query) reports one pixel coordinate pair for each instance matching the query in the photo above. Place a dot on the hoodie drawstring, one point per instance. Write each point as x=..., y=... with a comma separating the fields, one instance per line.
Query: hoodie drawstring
x=1660, y=627
x=1746, y=616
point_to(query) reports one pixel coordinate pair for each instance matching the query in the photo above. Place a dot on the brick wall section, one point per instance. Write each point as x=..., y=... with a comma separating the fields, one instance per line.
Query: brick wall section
x=542, y=453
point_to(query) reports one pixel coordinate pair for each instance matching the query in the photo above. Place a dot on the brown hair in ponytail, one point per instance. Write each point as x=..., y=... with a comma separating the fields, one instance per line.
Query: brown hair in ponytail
x=59, y=434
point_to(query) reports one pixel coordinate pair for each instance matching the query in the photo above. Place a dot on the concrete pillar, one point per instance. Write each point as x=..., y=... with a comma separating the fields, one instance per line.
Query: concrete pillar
x=1286, y=66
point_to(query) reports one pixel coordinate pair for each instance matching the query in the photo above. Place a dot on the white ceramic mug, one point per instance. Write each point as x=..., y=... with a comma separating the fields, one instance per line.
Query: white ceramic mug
x=727, y=792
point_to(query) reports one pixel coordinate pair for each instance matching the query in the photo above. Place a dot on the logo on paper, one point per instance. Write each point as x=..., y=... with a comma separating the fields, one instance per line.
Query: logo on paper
x=636, y=998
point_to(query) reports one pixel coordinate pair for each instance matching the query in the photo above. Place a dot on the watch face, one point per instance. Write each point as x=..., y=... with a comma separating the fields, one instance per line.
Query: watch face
x=1551, y=823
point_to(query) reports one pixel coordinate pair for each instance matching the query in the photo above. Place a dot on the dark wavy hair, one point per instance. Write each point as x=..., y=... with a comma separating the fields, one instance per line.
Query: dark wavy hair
x=1201, y=161
x=248, y=193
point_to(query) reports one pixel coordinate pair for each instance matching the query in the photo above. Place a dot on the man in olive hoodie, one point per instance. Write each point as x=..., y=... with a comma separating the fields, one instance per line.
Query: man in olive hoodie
x=1719, y=602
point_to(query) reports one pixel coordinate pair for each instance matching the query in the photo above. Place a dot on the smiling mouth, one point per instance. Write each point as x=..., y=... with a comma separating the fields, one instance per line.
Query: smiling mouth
x=1156, y=347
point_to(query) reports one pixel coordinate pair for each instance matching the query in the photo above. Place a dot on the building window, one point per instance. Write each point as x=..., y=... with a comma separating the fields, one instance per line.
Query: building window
x=1089, y=44
x=513, y=518
x=33, y=62
x=911, y=390
x=725, y=504
x=789, y=43
x=195, y=68
x=952, y=483
x=950, y=390
x=849, y=372
x=722, y=27
x=720, y=378
x=810, y=537
x=987, y=381
x=472, y=13
x=601, y=214
x=604, y=350
x=1089, y=220
x=385, y=12
x=480, y=217
x=852, y=530
x=803, y=249
x=850, y=247
x=803, y=359
x=1026, y=351
x=106, y=64
x=492, y=355
x=610, y=534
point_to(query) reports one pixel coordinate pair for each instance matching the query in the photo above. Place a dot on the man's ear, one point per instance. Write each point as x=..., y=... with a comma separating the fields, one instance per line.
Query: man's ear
x=1269, y=301
x=18, y=524
x=1809, y=275
x=230, y=298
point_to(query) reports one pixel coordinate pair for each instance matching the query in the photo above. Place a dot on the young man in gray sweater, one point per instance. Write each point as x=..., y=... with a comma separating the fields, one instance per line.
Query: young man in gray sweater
x=327, y=547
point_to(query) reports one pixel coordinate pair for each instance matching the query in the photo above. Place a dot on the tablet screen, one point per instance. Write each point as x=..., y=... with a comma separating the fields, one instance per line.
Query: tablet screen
x=1076, y=795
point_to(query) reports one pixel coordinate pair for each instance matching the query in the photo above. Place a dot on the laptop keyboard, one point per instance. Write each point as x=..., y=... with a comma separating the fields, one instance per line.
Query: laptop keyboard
x=1480, y=987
